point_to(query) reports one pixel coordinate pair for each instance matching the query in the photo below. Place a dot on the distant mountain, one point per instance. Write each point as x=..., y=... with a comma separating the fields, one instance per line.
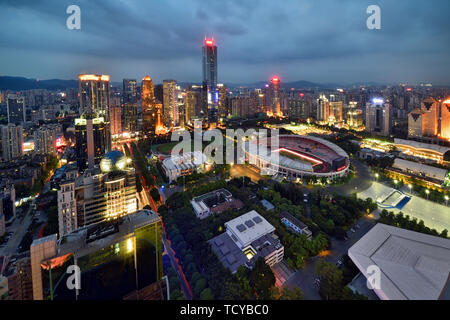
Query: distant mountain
x=20, y=83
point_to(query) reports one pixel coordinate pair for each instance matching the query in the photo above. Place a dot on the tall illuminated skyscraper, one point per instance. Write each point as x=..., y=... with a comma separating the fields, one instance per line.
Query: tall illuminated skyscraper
x=92, y=129
x=169, y=103
x=429, y=108
x=275, y=93
x=209, y=64
x=148, y=106
x=445, y=119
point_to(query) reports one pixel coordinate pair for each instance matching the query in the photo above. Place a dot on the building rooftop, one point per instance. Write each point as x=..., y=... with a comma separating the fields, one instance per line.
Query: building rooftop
x=414, y=266
x=429, y=171
x=249, y=227
x=422, y=146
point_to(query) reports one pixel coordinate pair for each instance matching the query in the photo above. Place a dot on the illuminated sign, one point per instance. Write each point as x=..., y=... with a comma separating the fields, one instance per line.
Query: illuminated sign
x=377, y=100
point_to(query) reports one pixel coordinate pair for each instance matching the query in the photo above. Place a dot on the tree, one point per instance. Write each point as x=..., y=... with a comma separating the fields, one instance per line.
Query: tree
x=261, y=279
x=199, y=286
x=206, y=294
x=330, y=280
x=293, y=294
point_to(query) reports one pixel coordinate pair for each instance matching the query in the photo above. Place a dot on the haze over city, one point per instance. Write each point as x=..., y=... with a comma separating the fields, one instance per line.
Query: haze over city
x=319, y=41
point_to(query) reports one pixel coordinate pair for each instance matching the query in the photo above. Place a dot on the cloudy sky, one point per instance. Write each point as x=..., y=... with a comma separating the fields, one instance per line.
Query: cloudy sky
x=316, y=40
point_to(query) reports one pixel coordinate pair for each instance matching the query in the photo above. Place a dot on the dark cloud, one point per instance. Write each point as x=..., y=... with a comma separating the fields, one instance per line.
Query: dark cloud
x=322, y=41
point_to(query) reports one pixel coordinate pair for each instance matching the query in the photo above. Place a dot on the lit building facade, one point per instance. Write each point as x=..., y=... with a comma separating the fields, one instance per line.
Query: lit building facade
x=12, y=141
x=97, y=196
x=209, y=64
x=115, y=115
x=91, y=135
x=378, y=117
x=275, y=95
x=15, y=106
x=445, y=119
x=169, y=103
x=148, y=106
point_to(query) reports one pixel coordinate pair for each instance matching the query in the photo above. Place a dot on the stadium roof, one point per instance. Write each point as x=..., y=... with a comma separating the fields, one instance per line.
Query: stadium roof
x=414, y=266
x=420, y=145
x=429, y=171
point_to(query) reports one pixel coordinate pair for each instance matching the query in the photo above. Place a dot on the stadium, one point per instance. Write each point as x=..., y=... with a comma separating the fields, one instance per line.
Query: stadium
x=298, y=156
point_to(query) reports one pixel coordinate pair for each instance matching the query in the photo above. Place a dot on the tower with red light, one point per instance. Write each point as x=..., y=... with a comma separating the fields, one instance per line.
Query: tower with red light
x=275, y=93
x=209, y=66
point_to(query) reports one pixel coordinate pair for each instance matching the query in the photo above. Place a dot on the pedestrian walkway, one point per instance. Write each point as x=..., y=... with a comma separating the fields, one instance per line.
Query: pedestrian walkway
x=282, y=273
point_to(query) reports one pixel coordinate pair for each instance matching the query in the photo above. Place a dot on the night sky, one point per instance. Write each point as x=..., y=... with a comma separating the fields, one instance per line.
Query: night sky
x=316, y=40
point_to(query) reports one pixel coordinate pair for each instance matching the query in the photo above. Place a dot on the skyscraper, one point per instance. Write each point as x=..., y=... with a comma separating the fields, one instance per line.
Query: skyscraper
x=94, y=94
x=148, y=106
x=16, y=109
x=378, y=117
x=129, y=92
x=91, y=141
x=94, y=106
x=209, y=64
x=445, y=119
x=12, y=141
x=275, y=94
x=429, y=109
x=193, y=103
x=116, y=120
x=169, y=103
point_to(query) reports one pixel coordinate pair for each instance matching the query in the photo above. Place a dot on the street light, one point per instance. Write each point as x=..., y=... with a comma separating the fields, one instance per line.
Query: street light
x=410, y=188
x=376, y=176
x=395, y=182
x=446, y=200
x=427, y=192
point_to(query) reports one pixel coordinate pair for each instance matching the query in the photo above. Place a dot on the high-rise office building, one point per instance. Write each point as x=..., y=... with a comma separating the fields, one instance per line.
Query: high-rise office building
x=94, y=94
x=129, y=91
x=445, y=119
x=209, y=65
x=120, y=259
x=92, y=129
x=148, y=106
x=354, y=116
x=193, y=104
x=378, y=117
x=97, y=195
x=169, y=103
x=12, y=141
x=115, y=116
x=415, y=123
x=15, y=106
x=323, y=108
x=129, y=116
x=221, y=106
x=91, y=140
x=430, y=111
x=275, y=95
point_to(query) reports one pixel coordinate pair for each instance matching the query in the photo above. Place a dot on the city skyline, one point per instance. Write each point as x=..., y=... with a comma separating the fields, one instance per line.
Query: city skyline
x=325, y=42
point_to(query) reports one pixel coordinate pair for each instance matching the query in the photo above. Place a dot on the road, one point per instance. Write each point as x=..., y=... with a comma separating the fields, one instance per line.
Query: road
x=238, y=170
x=304, y=278
x=146, y=199
x=18, y=228
x=434, y=215
x=360, y=182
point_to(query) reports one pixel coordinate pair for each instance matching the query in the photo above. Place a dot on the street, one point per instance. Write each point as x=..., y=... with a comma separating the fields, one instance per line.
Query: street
x=304, y=278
